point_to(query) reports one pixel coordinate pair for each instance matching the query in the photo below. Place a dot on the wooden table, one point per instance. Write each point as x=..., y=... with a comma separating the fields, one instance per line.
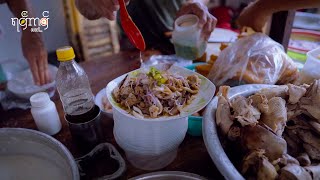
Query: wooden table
x=192, y=154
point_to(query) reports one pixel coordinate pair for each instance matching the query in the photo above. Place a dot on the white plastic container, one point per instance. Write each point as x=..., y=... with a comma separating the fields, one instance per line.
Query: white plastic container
x=187, y=39
x=45, y=113
x=311, y=69
x=149, y=144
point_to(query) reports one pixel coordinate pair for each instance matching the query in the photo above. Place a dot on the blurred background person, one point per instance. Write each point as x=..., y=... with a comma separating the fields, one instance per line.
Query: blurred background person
x=257, y=13
x=154, y=18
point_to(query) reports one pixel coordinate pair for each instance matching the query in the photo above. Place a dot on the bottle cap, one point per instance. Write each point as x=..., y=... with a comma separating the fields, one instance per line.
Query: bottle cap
x=65, y=53
x=39, y=99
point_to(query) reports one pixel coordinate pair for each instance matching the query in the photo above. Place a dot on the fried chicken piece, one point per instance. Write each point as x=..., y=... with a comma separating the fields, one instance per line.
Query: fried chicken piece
x=311, y=143
x=294, y=172
x=299, y=122
x=293, y=111
x=234, y=133
x=275, y=116
x=311, y=101
x=259, y=137
x=315, y=126
x=244, y=112
x=295, y=93
x=279, y=91
x=287, y=159
x=223, y=114
x=304, y=159
x=257, y=162
x=312, y=151
x=293, y=147
x=259, y=101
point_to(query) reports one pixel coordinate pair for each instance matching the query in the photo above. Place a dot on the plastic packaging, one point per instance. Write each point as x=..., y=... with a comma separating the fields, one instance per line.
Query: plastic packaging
x=255, y=59
x=10, y=67
x=310, y=69
x=104, y=153
x=44, y=113
x=73, y=84
x=167, y=59
x=186, y=37
x=22, y=84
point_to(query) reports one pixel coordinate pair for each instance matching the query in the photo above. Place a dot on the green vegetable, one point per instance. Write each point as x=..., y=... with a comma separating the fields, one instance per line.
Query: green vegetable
x=156, y=75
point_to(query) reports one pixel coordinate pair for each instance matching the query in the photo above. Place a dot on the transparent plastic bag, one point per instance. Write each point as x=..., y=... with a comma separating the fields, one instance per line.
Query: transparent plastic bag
x=255, y=59
x=10, y=67
x=167, y=59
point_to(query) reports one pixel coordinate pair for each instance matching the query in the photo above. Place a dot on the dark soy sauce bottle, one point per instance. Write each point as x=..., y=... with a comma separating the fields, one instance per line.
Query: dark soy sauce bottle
x=81, y=113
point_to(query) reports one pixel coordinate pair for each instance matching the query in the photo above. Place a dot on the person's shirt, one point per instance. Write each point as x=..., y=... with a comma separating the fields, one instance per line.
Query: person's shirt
x=154, y=18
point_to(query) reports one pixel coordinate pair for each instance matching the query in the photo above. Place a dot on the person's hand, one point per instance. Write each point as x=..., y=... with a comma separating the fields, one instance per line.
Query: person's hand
x=95, y=9
x=35, y=52
x=254, y=16
x=207, y=22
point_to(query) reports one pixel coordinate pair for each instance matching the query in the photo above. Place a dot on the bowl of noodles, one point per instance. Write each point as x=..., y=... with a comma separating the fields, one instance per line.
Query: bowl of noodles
x=150, y=111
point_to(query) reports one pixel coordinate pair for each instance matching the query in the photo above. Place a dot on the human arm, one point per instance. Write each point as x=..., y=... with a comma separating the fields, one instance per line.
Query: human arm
x=95, y=9
x=207, y=22
x=256, y=14
x=33, y=47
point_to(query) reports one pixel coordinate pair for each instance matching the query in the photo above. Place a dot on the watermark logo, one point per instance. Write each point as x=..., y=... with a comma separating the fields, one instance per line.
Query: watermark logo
x=35, y=24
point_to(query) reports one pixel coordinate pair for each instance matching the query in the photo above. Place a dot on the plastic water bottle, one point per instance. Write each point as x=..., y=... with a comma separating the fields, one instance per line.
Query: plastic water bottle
x=74, y=87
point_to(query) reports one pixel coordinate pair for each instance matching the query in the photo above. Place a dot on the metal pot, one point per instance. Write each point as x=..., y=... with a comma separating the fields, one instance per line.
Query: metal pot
x=168, y=175
x=31, y=154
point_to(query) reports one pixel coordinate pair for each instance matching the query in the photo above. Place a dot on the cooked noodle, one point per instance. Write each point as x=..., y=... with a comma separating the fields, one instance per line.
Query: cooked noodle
x=156, y=93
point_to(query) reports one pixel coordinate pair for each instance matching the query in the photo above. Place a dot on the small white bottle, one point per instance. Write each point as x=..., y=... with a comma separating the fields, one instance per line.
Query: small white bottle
x=187, y=39
x=45, y=113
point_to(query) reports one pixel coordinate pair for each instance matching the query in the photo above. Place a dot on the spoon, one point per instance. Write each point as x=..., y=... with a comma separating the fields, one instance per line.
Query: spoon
x=130, y=28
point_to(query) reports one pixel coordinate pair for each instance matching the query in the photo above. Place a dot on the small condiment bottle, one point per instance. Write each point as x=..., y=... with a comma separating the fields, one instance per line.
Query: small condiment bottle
x=187, y=39
x=45, y=113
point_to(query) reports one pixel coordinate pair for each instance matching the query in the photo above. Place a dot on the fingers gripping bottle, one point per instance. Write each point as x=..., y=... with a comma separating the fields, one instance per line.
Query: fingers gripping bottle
x=74, y=87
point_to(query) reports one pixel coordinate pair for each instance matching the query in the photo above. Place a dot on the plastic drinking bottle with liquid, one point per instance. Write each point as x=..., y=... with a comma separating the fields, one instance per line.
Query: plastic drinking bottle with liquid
x=74, y=87
x=187, y=39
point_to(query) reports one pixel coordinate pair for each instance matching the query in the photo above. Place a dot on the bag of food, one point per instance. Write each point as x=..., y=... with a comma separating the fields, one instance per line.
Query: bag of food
x=254, y=59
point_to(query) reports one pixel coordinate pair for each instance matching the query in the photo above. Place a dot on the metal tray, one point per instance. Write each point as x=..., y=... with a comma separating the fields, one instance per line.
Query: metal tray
x=210, y=134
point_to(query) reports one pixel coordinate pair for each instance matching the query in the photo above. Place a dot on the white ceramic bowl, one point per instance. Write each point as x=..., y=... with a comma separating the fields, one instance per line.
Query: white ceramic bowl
x=22, y=84
x=210, y=133
x=98, y=102
x=152, y=143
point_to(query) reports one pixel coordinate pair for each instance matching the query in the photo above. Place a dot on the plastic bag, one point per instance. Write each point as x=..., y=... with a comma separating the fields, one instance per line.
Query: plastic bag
x=22, y=84
x=255, y=59
x=21, y=87
x=167, y=59
x=10, y=67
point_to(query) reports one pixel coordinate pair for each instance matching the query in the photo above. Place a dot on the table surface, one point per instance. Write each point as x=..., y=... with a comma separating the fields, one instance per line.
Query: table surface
x=192, y=154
